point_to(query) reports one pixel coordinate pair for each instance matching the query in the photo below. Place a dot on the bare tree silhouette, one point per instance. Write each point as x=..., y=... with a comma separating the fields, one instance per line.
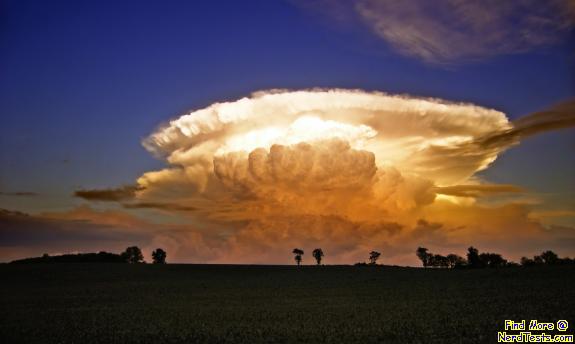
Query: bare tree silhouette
x=298, y=253
x=318, y=255
x=373, y=257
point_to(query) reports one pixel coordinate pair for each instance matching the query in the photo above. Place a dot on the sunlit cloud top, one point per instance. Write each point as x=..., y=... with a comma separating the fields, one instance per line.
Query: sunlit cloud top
x=400, y=131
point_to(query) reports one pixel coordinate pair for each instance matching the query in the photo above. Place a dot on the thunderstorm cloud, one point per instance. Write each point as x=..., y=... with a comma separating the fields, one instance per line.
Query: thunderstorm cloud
x=346, y=170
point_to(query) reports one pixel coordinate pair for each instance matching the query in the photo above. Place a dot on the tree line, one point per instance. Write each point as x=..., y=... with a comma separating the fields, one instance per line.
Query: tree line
x=476, y=260
x=473, y=259
x=132, y=255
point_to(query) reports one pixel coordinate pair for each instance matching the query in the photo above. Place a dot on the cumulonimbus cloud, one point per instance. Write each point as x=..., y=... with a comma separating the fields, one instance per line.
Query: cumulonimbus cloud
x=360, y=155
x=346, y=169
x=401, y=131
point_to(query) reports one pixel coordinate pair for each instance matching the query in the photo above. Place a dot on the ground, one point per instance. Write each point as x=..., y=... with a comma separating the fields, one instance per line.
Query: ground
x=122, y=303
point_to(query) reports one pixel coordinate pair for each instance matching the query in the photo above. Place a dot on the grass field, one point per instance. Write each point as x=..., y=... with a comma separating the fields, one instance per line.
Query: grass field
x=121, y=303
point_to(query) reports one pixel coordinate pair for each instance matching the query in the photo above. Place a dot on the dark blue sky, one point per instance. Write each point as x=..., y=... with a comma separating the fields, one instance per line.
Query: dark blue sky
x=83, y=82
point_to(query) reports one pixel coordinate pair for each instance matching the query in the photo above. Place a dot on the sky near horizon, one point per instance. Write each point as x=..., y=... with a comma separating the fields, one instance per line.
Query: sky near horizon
x=234, y=131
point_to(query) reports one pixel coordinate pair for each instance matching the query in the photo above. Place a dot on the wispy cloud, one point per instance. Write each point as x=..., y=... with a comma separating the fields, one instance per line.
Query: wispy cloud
x=560, y=116
x=457, y=30
x=477, y=190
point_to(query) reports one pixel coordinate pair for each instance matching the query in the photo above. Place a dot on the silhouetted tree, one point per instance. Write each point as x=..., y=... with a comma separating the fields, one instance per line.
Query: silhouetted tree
x=443, y=261
x=424, y=256
x=318, y=255
x=373, y=257
x=431, y=260
x=549, y=258
x=159, y=256
x=455, y=261
x=484, y=259
x=437, y=260
x=537, y=260
x=492, y=260
x=473, y=260
x=298, y=253
x=133, y=255
x=527, y=261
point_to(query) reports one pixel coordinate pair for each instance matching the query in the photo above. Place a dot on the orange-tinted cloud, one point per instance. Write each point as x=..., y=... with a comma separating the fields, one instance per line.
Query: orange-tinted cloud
x=345, y=170
x=338, y=169
x=477, y=190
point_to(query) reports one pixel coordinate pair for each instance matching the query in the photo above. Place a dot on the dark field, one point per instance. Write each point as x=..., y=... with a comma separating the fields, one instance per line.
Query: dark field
x=121, y=303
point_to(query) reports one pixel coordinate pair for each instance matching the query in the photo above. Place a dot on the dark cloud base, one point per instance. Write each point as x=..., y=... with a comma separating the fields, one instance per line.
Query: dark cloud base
x=109, y=195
